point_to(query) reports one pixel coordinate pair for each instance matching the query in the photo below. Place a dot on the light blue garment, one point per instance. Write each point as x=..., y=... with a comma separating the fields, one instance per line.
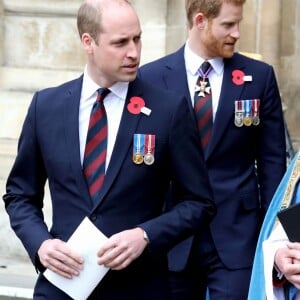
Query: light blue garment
x=257, y=283
x=207, y=295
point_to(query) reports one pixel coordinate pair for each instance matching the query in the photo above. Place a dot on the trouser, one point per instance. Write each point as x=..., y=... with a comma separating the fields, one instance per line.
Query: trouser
x=206, y=270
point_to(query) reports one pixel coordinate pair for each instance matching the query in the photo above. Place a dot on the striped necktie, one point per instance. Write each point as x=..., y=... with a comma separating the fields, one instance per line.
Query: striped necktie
x=203, y=105
x=96, y=146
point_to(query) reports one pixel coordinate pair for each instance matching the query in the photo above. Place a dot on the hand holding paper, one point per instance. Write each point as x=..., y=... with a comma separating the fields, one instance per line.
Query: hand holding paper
x=122, y=248
x=87, y=240
x=57, y=256
x=287, y=260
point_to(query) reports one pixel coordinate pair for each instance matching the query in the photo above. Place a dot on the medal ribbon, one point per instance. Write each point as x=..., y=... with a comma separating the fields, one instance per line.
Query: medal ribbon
x=255, y=106
x=149, y=143
x=248, y=108
x=204, y=74
x=138, y=143
x=238, y=106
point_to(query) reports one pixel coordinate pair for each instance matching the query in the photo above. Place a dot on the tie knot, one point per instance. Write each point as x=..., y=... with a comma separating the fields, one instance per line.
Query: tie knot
x=205, y=67
x=102, y=93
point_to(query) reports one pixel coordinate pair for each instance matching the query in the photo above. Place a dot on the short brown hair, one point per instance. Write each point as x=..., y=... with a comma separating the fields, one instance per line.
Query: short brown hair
x=89, y=18
x=210, y=8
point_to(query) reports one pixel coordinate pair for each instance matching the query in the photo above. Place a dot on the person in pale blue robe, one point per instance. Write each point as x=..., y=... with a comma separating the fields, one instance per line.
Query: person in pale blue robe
x=287, y=260
x=272, y=237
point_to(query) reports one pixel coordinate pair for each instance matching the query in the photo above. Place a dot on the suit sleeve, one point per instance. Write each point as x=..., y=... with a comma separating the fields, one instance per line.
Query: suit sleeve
x=271, y=149
x=25, y=188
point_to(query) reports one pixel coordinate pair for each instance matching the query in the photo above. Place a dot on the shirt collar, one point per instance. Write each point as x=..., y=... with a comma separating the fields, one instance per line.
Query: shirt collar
x=193, y=61
x=89, y=87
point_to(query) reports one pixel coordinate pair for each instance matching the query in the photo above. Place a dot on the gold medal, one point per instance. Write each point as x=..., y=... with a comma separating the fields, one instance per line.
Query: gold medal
x=247, y=104
x=247, y=121
x=138, y=146
x=138, y=158
x=149, y=159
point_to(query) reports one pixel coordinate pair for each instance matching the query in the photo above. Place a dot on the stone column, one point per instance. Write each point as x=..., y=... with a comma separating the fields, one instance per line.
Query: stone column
x=1, y=32
x=176, y=25
x=290, y=66
x=152, y=16
x=269, y=31
x=247, y=42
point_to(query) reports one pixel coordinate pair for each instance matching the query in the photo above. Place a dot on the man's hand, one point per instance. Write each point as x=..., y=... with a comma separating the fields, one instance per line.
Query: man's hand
x=122, y=248
x=288, y=262
x=55, y=255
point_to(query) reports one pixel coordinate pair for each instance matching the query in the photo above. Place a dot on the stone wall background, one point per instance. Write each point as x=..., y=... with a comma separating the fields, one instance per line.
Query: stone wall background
x=40, y=47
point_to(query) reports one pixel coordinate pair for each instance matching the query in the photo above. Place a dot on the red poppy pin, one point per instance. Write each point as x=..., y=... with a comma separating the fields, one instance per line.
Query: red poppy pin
x=137, y=105
x=239, y=77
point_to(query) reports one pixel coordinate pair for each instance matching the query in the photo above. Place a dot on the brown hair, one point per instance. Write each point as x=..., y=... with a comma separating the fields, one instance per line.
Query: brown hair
x=210, y=8
x=89, y=18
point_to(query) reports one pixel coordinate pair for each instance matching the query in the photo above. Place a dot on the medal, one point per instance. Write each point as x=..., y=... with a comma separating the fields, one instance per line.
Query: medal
x=149, y=149
x=148, y=159
x=256, y=120
x=202, y=88
x=137, y=158
x=255, y=106
x=238, y=121
x=138, y=147
x=248, y=111
x=238, y=113
x=202, y=83
x=247, y=121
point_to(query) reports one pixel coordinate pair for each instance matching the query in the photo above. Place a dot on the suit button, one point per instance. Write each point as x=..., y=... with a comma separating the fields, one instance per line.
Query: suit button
x=93, y=217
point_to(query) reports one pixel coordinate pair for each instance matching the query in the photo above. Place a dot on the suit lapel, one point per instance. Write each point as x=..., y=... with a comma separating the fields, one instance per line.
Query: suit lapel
x=175, y=76
x=225, y=112
x=127, y=128
x=71, y=127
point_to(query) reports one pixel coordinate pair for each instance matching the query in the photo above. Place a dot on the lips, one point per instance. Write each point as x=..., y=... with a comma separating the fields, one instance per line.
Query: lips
x=230, y=43
x=131, y=67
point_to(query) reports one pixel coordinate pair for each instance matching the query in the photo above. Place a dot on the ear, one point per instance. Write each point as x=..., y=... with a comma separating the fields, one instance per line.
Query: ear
x=87, y=42
x=200, y=20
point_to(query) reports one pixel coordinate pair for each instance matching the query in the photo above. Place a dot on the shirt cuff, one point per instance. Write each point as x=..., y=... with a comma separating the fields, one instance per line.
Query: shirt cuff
x=278, y=278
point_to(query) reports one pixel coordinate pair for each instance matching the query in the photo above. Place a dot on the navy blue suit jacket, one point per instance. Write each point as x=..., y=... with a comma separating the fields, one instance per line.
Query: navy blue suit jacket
x=241, y=191
x=132, y=195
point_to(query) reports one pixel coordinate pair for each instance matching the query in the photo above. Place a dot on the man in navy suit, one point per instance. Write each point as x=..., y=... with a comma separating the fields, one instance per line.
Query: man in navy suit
x=152, y=141
x=245, y=155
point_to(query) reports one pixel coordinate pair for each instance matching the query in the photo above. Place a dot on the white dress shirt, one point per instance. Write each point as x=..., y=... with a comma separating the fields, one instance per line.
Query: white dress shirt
x=215, y=76
x=113, y=103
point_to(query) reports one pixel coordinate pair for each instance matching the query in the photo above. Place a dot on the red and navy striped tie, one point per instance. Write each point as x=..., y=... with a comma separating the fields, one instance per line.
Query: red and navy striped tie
x=96, y=146
x=203, y=105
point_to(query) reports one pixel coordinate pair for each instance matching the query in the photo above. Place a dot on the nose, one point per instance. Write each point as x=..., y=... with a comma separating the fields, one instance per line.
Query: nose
x=134, y=50
x=236, y=32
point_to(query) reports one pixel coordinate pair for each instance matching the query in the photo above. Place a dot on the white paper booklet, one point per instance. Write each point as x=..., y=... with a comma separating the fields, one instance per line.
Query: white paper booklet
x=87, y=240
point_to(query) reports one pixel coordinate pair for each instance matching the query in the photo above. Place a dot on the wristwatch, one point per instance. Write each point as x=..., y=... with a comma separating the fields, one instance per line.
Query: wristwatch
x=145, y=235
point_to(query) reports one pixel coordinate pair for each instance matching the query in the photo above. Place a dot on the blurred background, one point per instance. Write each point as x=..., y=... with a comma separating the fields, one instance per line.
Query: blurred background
x=40, y=47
